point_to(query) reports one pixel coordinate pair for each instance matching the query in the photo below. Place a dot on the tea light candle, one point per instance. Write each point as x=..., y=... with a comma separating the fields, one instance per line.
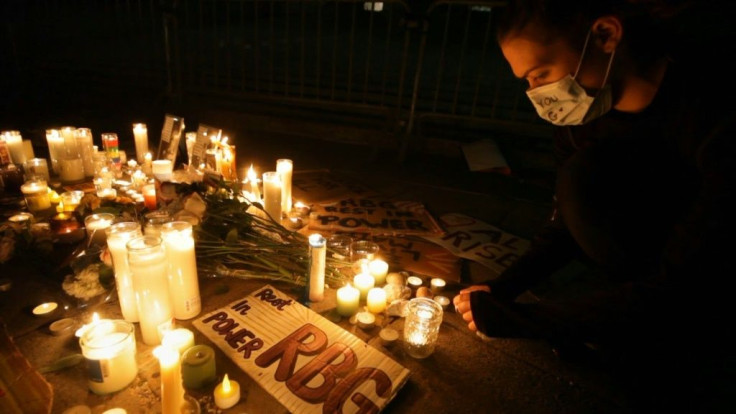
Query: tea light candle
x=444, y=301
x=348, y=299
x=180, y=339
x=414, y=282
x=388, y=336
x=364, y=282
x=21, y=218
x=437, y=285
x=162, y=169
x=172, y=387
x=227, y=393
x=272, y=194
x=96, y=224
x=36, y=194
x=140, y=134
x=366, y=320
x=379, y=269
x=376, y=300
x=285, y=168
x=62, y=327
x=198, y=366
x=45, y=309
x=317, y=260
x=149, y=196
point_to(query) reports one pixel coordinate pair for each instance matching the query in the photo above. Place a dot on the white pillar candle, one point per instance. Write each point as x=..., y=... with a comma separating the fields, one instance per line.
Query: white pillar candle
x=379, y=269
x=86, y=150
x=172, y=387
x=15, y=145
x=36, y=194
x=117, y=236
x=182, y=269
x=140, y=133
x=364, y=282
x=96, y=226
x=227, y=393
x=149, y=271
x=348, y=300
x=376, y=300
x=110, y=351
x=272, y=195
x=28, y=149
x=71, y=170
x=285, y=168
x=56, y=147
x=180, y=339
x=317, y=259
x=37, y=168
x=68, y=133
x=162, y=169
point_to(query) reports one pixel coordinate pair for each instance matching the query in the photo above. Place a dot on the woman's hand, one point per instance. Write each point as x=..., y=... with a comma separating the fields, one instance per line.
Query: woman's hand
x=462, y=304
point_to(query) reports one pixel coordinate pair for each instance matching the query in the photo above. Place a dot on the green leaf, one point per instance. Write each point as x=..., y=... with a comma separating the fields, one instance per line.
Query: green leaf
x=232, y=236
x=62, y=363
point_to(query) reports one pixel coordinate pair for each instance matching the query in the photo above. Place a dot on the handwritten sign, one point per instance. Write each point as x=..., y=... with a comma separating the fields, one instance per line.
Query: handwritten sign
x=480, y=242
x=305, y=361
x=323, y=186
x=374, y=216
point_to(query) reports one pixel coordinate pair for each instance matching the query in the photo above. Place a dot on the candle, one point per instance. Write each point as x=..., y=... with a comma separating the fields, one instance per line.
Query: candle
x=149, y=270
x=15, y=145
x=198, y=366
x=182, y=269
x=62, y=327
x=71, y=170
x=110, y=143
x=147, y=166
x=414, y=282
x=162, y=169
x=22, y=218
x=285, y=168
x=71, y=200
x=272, y=195
x=140, y=133
x=68, y=133
x=149, y=196
x=117, y=236
x=444, y=301
x=172, y=388
x=376, y=300
x=436, y=285
x=96, y=224
x=254, y=184
x=83, y=329
x=87, y=151
x=421, y=326
x=227, y=163
x=366, y=320
x=37, y=168
x=301, y=209
x=379, y=269
x=180, y=339
x=110, y=351
x=317, y=259
x=388, y=336
x=56, y=147
x=45, y=309
x=109, y=193
x=36, y=194
x=155, y=221
x=364, y=282
x=28, y=149
x=191, y=139
x=227, y=393
x=348, y=299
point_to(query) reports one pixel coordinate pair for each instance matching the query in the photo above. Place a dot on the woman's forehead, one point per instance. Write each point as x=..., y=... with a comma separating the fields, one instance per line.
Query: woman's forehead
x=525, y=53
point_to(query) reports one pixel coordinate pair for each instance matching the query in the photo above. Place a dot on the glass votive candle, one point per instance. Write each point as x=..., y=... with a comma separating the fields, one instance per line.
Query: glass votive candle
x=36, y=168
x=162, y=169
x=339, y=246
x=36, y=194
x=363, y=250
x=22, y=218
x=421, y=327
x=154, y=221
x=96, y=224
x=109, y=348
x=71, y=199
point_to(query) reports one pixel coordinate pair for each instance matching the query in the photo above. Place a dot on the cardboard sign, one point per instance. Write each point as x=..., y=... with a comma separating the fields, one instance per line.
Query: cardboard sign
x=204, y=134
x=322, y=186
x=170, y=136
x=309, y=364
x=374, y=216
x=480, y=242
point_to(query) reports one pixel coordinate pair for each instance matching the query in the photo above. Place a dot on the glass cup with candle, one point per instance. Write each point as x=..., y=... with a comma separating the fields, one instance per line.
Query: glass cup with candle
x=155, y=221
x=272, y=194
x=149, y=196
x=71, y=199
x=110, y=351
x=421, y=327
x=361, y=253
x=182, y=262
x=118, y=236
x=36, y=168
x=162, y=169
x=149, y=271
x=36, y=194
x=339, y=246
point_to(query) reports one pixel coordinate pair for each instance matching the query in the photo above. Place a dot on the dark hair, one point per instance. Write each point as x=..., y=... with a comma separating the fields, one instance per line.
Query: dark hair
x=643, y=21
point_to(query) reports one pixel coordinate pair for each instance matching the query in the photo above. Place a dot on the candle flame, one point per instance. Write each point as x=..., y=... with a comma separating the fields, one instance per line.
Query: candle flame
x=226, y=385
x=95, y=317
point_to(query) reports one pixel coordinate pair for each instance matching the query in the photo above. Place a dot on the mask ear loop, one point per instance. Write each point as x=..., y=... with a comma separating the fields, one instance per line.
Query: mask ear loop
x=580, y=62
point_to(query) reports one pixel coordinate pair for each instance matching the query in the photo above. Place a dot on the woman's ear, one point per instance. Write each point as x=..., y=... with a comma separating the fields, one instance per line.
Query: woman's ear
x=607, y=32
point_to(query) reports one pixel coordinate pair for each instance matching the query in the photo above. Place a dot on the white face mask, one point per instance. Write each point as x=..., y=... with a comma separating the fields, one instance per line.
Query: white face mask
x=565, y=102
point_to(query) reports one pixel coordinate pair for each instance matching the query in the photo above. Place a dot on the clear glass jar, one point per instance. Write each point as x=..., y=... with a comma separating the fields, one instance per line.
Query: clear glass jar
x=421, y=327
x=149, y=271
x=118, y=236
x=154, y=221
x=183, y=280
x=109, y=349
